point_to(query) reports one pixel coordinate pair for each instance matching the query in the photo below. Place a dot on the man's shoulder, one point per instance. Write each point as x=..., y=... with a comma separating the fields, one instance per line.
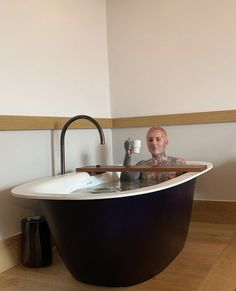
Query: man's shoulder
x=176, y=160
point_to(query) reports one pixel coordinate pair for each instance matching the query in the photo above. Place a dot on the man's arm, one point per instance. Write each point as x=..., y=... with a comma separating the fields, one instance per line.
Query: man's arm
x=128, y=176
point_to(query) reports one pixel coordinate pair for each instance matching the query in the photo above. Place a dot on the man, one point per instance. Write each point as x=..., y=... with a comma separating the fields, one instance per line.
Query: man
x=157, y=141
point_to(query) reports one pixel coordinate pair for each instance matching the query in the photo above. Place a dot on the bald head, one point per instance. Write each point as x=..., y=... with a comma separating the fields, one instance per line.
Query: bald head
x=157, y=140
x=157, y=128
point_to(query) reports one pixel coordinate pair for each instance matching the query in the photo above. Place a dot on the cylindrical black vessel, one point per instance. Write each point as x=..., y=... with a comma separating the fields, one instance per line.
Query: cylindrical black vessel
x=36, y=249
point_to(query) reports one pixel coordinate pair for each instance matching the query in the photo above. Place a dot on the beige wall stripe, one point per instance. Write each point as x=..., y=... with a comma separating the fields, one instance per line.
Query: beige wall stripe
x=18, y=122
x=176, y=119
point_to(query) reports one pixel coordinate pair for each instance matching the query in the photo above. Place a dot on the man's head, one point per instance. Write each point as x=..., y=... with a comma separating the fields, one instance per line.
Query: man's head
x=157, y=140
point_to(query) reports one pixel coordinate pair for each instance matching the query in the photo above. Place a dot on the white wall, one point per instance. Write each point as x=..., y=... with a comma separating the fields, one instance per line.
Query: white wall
x=174, y=57
x=171, y=56
x=53, y=58
x=30, y=155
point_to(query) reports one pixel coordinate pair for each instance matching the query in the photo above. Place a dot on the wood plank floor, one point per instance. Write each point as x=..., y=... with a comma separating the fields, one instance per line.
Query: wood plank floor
x=207, y=263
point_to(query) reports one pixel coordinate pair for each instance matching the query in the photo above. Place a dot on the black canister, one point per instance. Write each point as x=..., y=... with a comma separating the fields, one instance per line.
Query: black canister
x=36, y=249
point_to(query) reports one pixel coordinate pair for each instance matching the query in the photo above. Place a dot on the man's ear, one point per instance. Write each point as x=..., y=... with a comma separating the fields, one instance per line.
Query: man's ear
x=167, y=142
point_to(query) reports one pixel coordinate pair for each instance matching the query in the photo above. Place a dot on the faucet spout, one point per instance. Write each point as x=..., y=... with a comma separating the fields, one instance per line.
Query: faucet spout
x=63, y=132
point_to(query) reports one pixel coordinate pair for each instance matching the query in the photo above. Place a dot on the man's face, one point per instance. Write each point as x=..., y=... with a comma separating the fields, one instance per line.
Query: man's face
x=156, y=141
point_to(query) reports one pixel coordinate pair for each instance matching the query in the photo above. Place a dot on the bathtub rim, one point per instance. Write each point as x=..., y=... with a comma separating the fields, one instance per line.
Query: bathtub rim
x=36, y=189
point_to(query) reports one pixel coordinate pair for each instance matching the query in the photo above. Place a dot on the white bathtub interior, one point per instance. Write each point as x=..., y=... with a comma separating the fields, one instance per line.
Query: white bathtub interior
x=65, y=186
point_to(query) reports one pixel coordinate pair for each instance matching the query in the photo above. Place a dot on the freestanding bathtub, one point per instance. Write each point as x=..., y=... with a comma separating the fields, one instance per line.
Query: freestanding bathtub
x=112, y=238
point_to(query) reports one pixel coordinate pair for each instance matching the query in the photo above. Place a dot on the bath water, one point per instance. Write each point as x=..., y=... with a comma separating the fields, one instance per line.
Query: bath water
x=117, y=186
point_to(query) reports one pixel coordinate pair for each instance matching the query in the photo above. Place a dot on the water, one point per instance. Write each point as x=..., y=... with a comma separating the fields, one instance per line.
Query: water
x=116, y=187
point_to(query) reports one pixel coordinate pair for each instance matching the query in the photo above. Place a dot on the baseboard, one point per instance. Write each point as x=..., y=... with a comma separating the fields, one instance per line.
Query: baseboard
x=214, y=212
x=9, y=252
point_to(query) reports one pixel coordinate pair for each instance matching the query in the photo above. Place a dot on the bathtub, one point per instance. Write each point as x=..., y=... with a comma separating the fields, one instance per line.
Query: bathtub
x=112, y=238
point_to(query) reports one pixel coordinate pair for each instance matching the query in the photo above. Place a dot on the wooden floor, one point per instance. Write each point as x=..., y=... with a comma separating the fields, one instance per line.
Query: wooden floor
x=207, y=263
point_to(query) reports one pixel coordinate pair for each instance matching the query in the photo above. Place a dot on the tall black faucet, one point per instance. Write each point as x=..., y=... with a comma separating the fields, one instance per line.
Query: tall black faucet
x=63, y=132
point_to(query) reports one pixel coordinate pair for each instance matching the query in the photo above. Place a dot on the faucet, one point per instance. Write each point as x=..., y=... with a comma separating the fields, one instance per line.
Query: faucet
x=63, y=132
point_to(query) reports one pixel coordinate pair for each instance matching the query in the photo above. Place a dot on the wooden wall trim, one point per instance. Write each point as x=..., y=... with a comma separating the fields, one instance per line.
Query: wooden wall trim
x=10, y=252
x=176, y=119
x=214, y=212
x=18, y=122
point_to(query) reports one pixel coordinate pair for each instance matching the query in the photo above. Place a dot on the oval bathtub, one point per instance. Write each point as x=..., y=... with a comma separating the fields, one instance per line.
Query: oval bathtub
x=115, y=238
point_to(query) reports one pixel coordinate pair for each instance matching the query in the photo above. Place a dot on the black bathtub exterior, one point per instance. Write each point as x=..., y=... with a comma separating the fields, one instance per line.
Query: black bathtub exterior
x=121, y=241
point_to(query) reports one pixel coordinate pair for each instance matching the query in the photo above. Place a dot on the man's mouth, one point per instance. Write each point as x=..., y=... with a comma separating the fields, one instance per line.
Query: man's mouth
x=155, y=149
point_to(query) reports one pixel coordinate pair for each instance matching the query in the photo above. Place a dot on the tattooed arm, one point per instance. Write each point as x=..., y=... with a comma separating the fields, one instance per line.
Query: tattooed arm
x=127, y=176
